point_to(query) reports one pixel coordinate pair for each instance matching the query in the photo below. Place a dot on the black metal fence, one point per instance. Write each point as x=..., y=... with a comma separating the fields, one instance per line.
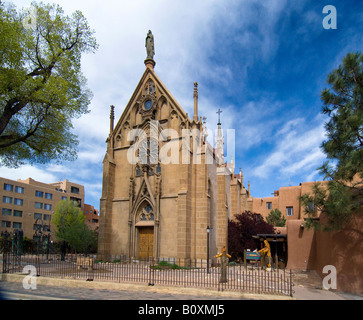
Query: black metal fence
x=162, y=272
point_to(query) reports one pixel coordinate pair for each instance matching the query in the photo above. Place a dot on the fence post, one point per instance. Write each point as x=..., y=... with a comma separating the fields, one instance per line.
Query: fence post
x=151, y=275
x=4, y=262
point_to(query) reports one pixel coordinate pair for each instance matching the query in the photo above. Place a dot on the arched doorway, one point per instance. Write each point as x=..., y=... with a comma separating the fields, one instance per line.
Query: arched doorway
x=145, y=231
x=146, y=242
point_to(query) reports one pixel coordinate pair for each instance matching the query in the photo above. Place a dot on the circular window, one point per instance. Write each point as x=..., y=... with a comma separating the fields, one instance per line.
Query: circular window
x=148, y=104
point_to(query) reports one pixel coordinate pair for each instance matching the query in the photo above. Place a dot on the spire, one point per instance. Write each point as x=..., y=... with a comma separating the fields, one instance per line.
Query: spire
x=219, y=116
x=195, y=95
x=220, y=140
x=112, y=118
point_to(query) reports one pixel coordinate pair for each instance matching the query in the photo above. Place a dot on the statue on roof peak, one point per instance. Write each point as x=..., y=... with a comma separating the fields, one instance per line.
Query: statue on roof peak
x=149, y=44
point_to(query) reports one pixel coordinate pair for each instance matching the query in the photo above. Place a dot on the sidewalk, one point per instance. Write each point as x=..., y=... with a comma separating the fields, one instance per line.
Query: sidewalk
x=126, y=291
x=307, y=287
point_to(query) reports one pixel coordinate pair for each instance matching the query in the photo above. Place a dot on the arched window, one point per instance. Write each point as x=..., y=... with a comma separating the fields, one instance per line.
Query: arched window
x=146, y=213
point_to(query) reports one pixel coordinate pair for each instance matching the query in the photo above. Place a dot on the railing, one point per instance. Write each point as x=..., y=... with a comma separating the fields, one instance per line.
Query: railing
x=161, y=272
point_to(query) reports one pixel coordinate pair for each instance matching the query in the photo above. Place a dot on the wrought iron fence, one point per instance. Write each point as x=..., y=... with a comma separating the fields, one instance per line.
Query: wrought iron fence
x=161, y=272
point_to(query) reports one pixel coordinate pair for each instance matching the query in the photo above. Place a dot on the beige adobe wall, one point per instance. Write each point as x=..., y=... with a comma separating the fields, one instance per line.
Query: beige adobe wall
x=289, y=197
x=344, y=250
x=300, y=245
x=285, y=197
x=259, y=205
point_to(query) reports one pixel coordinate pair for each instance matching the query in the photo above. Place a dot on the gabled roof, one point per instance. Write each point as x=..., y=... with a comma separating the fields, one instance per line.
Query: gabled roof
x=150, y=74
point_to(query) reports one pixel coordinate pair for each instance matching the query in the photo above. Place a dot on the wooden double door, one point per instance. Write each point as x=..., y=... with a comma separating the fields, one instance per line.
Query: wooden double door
x=146, y=242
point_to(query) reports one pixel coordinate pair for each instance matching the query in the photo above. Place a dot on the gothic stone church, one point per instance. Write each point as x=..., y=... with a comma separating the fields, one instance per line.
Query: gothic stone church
x=157, y=208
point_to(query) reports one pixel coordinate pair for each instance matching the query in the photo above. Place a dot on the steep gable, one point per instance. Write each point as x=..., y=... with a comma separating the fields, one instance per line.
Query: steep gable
x=151, y=100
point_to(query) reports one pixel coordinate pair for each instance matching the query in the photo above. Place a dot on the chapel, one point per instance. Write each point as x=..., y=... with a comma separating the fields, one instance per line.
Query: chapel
x=167, y=192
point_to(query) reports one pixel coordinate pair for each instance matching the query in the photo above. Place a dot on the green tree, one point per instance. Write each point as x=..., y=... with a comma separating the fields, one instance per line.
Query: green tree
x=343, y=103
x=70, y=227
x=276, y=219
x=41, y=85
x=80, y=238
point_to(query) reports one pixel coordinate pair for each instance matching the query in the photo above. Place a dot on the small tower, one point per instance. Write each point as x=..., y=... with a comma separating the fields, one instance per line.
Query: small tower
x=219, y=141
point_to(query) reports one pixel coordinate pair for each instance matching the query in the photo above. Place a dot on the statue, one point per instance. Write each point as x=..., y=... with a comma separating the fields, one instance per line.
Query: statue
x=149, y=44
x=266, y=255
x=224, y=262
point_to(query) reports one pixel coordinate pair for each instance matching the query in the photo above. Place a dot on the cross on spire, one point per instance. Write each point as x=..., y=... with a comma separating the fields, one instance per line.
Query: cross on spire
x=219, y=116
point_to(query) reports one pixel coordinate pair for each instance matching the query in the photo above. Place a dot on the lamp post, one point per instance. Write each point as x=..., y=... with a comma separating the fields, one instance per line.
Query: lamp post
x=208, y=231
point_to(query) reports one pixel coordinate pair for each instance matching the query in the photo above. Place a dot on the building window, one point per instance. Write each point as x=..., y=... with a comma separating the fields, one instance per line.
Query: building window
x=289, y=211
x=39, y=194
x=8, y=200
x=47, y=217
x=18, y=213
x=48, y=196
x=37, y=227
x=47, y=206
x=64, y=198
x=79, y=201
x=269, y=205
x=8, y=187
x=38, y=216
x=18, y=202
x=38, y=205
x=19, y=189
x=75, y=190
x=6, y=212
x=6, y=224
x=311, y=207
x=17, y=225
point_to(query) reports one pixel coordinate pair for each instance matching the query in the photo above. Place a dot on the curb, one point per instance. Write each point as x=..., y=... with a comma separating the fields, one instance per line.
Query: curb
x=101, y=285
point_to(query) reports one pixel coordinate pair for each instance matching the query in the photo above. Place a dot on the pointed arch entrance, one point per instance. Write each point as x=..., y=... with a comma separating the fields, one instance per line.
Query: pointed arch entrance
x=144, y=238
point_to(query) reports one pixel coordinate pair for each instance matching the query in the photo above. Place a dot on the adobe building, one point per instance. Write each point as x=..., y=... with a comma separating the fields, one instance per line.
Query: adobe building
x=306, y=249
x=163, y=183
x=286, y=199
x=28, y=205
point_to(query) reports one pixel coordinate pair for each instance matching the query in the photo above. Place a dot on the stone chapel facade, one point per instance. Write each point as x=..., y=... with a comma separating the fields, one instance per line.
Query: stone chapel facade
x=155, y=206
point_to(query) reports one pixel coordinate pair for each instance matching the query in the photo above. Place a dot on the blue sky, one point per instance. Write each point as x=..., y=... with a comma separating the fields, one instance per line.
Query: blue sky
x=264, y=63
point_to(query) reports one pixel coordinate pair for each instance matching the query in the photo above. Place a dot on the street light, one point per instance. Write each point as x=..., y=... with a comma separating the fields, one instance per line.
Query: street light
x=208, y=231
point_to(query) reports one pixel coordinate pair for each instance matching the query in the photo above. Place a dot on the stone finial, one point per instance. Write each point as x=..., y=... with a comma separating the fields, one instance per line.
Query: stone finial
x=112, y=118
x=195, y=95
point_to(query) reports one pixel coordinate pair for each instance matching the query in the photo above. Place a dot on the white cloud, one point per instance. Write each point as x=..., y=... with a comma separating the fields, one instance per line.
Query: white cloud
x=296, y=152
x=28, y=171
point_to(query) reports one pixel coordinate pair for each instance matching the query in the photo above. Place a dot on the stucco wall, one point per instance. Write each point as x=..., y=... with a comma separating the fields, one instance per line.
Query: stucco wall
x=342, y=249
x=301, y=246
